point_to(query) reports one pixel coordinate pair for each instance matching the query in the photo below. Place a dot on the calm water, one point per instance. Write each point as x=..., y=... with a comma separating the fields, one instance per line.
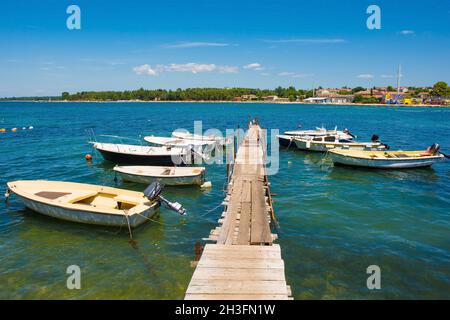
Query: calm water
x=333, y=222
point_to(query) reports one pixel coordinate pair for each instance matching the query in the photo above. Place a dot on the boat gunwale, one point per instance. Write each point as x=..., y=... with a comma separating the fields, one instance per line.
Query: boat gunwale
x=351, y=143
x=337, y=152
x=168, y=154
x=202, y=171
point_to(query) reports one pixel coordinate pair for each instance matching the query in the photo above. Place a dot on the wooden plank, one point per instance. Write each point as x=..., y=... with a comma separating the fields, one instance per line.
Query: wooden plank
x=274, y=247
x=230, y=216
x=238, y=287
x=260, y=230
x=244, y=223
x=241, y=264
x=199, y=296
x=260, y=255
x=246, y=190
x=202, y=273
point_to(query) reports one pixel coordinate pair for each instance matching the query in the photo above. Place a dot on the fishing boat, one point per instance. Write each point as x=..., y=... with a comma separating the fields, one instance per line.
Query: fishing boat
x=177, y=142
x=287, y=138
x=169, y=176
x=85, y=203
x=143, y=155
x=386, y=159
x=328, y=142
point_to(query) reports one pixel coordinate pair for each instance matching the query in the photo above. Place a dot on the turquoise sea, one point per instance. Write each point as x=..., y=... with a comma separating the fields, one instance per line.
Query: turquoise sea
x=333, y=222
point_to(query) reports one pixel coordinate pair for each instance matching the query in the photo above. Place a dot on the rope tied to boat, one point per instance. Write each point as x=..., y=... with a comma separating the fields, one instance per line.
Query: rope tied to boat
x=323, y=159
x=128, y=222
x=290, y=142
x=7, y=195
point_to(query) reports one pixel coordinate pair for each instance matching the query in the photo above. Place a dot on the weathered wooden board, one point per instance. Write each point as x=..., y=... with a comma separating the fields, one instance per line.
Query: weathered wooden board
x=238, y=287
x=202, y=273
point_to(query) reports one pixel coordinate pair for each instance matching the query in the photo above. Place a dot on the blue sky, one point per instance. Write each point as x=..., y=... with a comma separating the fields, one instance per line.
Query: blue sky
x=195, y=43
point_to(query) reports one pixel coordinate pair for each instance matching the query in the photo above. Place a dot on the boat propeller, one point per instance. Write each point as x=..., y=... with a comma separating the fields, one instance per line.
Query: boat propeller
x=153, y=192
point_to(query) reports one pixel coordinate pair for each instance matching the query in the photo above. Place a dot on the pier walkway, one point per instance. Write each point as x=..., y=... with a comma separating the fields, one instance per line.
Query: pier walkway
x=242, y=262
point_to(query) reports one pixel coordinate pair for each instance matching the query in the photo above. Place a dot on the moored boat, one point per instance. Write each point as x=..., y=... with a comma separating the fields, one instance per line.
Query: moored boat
x=170, y=176
x=328, y=142
x=85, y=203
x=287, y=139
x=177, y=142
x=386, y=159
x=345, y=134
x=143, y=155
x=219, y=140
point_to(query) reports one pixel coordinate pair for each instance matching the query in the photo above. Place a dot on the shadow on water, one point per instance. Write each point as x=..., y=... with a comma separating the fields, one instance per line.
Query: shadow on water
x=427, y=174
x=37, y=227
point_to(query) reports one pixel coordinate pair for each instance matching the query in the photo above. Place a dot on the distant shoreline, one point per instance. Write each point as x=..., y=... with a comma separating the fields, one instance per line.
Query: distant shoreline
x=236, y=102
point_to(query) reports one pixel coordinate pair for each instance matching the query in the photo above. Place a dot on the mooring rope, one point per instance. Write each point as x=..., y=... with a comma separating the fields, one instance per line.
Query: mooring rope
x=161, y=223
x=129, y=226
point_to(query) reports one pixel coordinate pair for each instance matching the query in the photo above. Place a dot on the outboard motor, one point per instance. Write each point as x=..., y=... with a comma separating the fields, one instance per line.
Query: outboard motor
x=434, y=148
x=346, y=131
x=375, y=138
x=153, y=192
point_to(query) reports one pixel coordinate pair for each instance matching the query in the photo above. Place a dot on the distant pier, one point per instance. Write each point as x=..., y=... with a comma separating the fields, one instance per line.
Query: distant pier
x=243, y=262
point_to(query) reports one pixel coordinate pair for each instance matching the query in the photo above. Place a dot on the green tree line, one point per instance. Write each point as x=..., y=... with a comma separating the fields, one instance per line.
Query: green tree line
x=206, y=94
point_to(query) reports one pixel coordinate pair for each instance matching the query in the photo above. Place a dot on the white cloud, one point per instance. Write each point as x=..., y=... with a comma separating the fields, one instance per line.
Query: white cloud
x=190, y=67
x=407, y=32
x=310, y=40
x=227, y=69
x=186, y=67
x=145, y=69
x=387, y=76
x=365, y=76
x=183, y=45
x=254, y=66
x=285, y=74
x=294, y=75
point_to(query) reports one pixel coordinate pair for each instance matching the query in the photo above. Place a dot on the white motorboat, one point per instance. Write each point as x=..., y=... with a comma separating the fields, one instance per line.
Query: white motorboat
x=287, y=138
x=143, y=155
x=345, y=134
x=170, y=176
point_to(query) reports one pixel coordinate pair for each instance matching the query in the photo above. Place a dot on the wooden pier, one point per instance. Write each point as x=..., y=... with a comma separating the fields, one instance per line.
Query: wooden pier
x=242, y=262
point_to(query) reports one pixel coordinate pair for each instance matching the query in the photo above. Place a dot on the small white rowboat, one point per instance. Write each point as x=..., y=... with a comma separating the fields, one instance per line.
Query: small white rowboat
x=85, y=203
x=170, y=176
x=384, y=159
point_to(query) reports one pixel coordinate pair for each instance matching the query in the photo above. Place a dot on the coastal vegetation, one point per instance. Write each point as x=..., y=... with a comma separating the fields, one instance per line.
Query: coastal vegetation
x=189, y=94
x=439, y=91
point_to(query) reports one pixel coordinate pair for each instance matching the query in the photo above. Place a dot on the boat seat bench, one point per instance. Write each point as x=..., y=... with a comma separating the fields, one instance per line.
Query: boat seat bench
x=127, y=200
x=80, y=195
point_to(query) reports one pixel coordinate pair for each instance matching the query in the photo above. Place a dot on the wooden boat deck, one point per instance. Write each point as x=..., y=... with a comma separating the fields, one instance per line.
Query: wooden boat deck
x=243, y=263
